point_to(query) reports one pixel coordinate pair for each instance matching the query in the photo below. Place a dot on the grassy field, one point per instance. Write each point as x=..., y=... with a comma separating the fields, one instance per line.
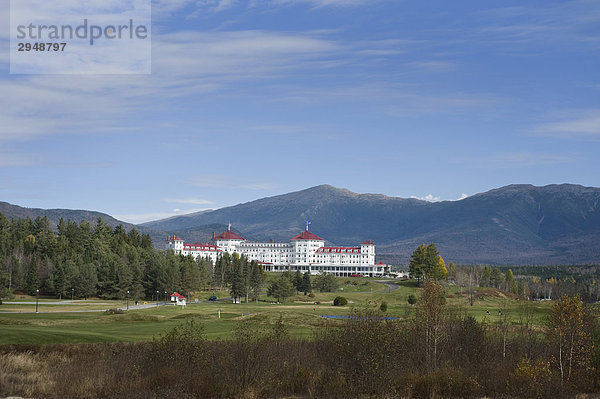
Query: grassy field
x=300, y=314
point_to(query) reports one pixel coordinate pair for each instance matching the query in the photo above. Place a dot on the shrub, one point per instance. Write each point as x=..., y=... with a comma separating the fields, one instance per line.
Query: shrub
x=340, y=301
x=412, y=299
x=383, y=307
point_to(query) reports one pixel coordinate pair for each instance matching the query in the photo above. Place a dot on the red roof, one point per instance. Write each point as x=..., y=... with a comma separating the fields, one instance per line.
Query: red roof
x=229, y=235
x=307, y=235
x=173, y=238
x=368, y=242
x=380, y=264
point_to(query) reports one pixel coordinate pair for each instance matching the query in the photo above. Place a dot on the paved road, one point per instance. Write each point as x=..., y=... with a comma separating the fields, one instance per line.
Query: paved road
x=41, y=305
x=391, y=286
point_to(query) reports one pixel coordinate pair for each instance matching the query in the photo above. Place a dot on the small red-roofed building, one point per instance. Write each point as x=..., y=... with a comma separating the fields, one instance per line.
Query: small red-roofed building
x=178, y=299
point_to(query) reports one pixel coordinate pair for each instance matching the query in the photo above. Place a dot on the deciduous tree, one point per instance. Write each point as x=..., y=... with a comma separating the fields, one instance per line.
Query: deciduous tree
x=567, y=335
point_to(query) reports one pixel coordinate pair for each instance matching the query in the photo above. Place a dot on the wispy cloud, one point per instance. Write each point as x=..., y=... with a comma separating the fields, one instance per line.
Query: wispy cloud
x=518, y=159
x=581, y=125
x=137, y=218
x=562, y=22
x=185, y=63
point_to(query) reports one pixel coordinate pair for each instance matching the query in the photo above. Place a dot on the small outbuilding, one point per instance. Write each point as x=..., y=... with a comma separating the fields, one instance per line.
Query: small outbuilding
x=178, y=299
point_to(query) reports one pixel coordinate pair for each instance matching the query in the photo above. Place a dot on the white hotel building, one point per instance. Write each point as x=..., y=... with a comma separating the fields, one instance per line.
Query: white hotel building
x=304, y=252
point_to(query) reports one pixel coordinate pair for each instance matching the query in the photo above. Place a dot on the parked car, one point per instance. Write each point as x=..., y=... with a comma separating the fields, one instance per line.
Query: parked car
x=212, y=298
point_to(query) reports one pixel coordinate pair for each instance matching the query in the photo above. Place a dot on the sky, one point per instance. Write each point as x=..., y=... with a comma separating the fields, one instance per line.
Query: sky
x=248, y=99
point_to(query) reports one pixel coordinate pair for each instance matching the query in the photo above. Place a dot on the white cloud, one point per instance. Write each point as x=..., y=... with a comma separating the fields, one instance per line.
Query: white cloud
x=185, y=63
x=137, y=218
x=326, y=3
x=236, y=55
x=581, y=125
x=428, y=198
x=433, y=198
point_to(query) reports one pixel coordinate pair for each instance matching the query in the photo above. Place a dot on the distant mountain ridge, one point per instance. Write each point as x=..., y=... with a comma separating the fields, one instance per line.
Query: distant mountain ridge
x=54, y=215
x=516, y=224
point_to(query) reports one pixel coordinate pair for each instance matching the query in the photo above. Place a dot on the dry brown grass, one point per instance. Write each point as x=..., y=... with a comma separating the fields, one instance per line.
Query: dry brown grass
x=29, y=373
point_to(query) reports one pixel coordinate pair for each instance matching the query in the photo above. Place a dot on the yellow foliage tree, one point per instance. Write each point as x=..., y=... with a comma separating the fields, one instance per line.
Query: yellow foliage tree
x=567, y=334
x=441, y=272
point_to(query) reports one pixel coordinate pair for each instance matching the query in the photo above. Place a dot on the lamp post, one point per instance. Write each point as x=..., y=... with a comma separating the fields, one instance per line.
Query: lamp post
x=37, y=296
x=127, y=299
x=156, y=298
x=165, y=296
x=72, y=293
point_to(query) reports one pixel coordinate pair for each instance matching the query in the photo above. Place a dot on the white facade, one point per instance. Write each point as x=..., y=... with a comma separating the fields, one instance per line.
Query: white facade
x=304, y=252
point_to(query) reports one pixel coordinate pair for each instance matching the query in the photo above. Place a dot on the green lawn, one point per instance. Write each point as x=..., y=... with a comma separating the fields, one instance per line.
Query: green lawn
x=300, y=314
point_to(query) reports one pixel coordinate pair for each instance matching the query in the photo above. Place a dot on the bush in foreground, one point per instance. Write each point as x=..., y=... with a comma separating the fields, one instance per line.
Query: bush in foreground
x=340, y=301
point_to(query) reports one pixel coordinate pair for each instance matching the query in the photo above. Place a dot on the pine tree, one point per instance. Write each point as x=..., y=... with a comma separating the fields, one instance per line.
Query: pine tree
x=32, y=281
x=306, y=283
x=425, y=263
x=281, y=288
x=297, y=281
x=18, y=276
x=86, y=281
x=257, y=280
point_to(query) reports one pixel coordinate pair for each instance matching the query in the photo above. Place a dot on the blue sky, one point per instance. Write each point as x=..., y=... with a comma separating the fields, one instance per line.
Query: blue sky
x=249, y=99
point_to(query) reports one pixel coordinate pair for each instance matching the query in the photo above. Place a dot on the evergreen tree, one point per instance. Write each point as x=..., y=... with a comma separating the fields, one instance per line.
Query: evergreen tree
x=425, y=263
x=32, y=281
x=306, y=283
x=298, y=281
x=237, y=289
x=486, y=277
x=205, y=268
x=5, y=292
x=85, y=281
x=281, y=288
x=451, y=271
x=257, y=280
x=326, y=282
x=496, y=277
x=18, y=276
x=63, y=278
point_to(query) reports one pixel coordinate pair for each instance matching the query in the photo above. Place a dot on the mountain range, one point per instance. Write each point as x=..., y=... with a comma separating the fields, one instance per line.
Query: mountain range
x=516, y=224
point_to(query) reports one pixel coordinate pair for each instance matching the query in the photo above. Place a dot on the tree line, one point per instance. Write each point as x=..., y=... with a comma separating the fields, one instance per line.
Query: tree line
x=532, y=282
x=83, y=260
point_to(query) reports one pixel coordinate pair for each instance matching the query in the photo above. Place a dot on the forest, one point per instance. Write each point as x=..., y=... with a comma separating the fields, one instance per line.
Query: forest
x=81, y=261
